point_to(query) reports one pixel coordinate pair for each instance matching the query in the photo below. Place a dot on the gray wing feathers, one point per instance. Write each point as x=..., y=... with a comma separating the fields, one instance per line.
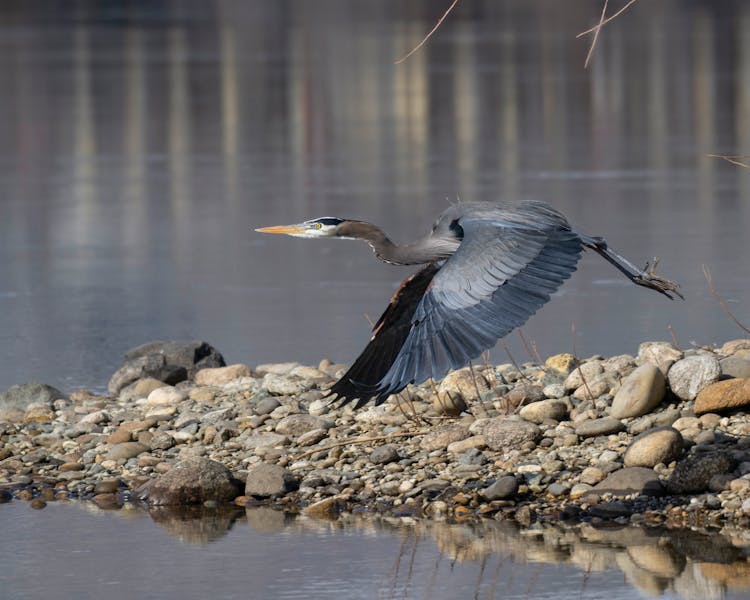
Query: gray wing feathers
x=503, y=272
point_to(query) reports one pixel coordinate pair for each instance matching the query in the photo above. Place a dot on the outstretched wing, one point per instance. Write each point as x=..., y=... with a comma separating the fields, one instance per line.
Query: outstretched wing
x=389, y=334
x=508, y=264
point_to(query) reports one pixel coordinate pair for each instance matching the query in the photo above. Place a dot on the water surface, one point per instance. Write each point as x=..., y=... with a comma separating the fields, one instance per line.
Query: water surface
x=144, y=141
x=78, y=551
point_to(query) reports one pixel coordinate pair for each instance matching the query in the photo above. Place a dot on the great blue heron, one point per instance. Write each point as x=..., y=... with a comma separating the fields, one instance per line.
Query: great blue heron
x=489, y=267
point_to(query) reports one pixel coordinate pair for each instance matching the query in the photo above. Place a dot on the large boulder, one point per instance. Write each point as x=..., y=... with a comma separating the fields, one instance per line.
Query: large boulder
x=16, y=400
x=170, y=362
x=192, y=481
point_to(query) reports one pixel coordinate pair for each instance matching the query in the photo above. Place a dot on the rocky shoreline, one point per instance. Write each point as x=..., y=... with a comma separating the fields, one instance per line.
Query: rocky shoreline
x=659, y=438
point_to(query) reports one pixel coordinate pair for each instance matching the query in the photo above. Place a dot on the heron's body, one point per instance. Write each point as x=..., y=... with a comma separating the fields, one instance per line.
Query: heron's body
x=488, y=268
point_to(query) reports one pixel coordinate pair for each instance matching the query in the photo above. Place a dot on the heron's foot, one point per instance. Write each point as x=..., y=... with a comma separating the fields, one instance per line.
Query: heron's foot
x=648, y=278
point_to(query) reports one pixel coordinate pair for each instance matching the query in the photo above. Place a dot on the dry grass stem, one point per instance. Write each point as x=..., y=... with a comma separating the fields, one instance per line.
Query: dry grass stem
x=735, y=159
x=513, y=360
x=607, y=20
x=531, y=349
x=674, y=337
x=603, y=20
x=575, y=355
x=720, y=300
x=427, y=37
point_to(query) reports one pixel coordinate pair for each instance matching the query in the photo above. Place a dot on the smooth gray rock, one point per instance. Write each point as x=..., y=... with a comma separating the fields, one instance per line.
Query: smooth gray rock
x=661, y=445
x=505, y=433
x=16, y=400
x=693, y=474
x=690, y=375
x=384, y=454
x=268, y=481
x=640, y=392
x=191, y=481
x=170, y=362
x=734, y=366
x=295, y=425
x=125, y=450
x=504, y=487
x=538, y=412
x=630, y=480
x=603, y=426
x=266, y=406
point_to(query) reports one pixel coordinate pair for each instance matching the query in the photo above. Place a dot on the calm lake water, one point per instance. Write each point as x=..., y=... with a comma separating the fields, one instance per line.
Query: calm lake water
x=143, y=141
x=261, y=553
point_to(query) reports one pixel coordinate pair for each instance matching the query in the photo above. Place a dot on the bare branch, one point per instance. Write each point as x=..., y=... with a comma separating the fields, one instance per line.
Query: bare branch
x=720, y=300
x=734, y=159
x=596, y=35
x=425, y=38
x=607, y=20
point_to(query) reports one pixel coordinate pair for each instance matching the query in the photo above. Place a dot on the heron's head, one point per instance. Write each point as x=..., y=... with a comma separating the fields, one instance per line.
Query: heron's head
x=315, y=228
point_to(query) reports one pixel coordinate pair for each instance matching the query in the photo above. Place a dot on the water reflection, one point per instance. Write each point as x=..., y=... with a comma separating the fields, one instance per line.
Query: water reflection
x=367, y=555
x=144, y=140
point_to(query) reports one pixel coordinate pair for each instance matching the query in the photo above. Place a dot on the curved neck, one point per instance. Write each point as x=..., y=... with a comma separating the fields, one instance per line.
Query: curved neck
x=422, y=251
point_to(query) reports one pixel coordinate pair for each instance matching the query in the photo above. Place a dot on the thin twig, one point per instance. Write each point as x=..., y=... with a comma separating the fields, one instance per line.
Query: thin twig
x=575, y=355
x=425, y=38
x=513, y=360
x=674, y=337
x=607, y=20
x=530, y=348
x=374, y=438
x=720, y=300
x=733, y=158
x=596, y=34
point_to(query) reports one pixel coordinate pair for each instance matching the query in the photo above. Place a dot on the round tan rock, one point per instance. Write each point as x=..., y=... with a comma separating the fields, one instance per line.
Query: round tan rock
x=143, y=387
x=723, y=395
x=221, y=375
x=166, y=396
x=650, y=448
x=538, y=412
x=640, y=392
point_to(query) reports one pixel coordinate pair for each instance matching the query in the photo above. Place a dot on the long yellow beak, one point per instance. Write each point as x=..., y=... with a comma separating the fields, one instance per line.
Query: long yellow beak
x=285, y=229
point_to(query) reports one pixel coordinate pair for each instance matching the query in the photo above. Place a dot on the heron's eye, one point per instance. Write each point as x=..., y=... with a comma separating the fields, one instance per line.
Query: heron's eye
x=317, y=225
